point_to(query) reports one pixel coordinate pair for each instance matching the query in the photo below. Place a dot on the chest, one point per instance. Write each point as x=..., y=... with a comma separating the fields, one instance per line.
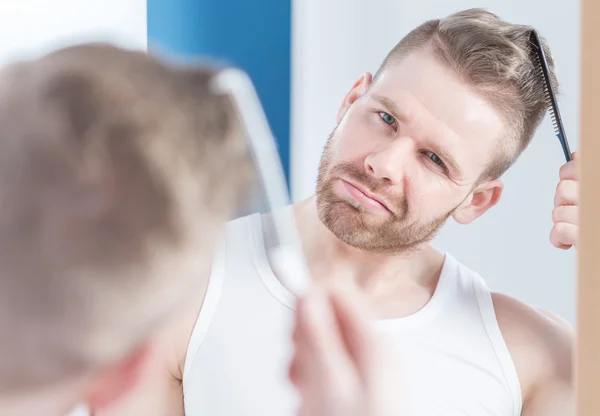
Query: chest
x=242, y=369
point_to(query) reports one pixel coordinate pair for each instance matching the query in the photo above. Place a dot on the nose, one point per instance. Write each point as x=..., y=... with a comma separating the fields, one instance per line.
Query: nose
x=389, y=162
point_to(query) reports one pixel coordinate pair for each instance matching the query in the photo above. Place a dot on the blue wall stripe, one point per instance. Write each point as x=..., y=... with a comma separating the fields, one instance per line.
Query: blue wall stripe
x=254, y=35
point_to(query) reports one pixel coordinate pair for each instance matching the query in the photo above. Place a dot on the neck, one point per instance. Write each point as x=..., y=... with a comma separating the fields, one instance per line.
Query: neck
x=331, y=259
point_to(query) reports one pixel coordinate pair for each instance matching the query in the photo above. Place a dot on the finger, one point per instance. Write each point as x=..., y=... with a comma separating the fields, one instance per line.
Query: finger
x=296, y=333
x=304, y=410
x=564, y=235
x=567, y=193
x=303, y=360
x=369, y=350
x=378, y=365
x=294, y=371
x=322, y=370
x=319, y=335
x=352, y=316
x=299, y=369
x=297, y=340
x=569, y=170
x=566, y=213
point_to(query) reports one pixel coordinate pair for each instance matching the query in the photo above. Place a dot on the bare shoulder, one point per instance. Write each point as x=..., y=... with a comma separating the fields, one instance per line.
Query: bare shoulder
x=541, y=344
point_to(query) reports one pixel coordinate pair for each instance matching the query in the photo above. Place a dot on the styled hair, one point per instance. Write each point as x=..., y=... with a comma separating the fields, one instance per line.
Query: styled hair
x=497, y=59
x=116, y=173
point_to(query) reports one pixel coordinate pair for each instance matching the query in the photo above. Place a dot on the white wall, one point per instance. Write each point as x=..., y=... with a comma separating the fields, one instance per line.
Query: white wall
x=334, y=41
x=29, y=28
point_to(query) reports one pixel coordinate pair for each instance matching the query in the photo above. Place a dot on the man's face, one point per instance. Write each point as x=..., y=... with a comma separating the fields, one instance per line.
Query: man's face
x=406, y=154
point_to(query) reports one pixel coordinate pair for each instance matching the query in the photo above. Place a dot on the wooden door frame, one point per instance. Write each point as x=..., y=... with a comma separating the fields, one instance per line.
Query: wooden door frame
x=587, y=360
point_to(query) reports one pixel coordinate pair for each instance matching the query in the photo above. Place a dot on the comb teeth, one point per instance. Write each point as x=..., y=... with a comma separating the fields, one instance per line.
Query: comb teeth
x=552, y=113
x=551, y=102
x=547, y=96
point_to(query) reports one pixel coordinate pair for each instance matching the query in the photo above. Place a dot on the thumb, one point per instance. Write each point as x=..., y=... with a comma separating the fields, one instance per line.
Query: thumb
x=354, y=319
x=320, y=334
x=378, y=365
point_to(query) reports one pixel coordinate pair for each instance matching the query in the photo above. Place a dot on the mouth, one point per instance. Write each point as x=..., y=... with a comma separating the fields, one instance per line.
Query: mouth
x=365, y=198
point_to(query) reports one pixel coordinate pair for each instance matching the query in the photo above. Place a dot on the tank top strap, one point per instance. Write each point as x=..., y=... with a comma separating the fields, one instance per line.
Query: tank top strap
x=213, y=291
x=488, y=315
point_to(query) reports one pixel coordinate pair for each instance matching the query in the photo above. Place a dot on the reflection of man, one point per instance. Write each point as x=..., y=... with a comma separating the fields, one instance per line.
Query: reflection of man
x=114, y=183
x=451, y=108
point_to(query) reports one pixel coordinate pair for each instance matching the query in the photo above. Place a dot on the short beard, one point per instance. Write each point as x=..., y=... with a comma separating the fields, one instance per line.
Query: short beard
x=347, y=220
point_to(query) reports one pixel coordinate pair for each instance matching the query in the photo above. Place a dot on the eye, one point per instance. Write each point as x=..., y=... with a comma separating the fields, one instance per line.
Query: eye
x=387, y=119
x=435, y=158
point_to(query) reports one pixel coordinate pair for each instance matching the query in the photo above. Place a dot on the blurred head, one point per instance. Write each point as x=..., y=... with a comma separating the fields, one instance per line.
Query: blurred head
x=448, y=112
x=114, y=182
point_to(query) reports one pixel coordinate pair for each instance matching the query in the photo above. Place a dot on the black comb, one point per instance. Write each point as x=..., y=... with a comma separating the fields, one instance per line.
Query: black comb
x=542, y=63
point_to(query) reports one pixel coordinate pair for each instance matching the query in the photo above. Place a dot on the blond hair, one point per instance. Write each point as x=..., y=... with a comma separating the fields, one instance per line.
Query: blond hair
x=497, y=59
x=116, y=172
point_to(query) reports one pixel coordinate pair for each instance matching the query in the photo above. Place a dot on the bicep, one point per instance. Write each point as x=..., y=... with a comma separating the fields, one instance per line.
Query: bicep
x=555, y=394
x=541, y=344
x=553, y=400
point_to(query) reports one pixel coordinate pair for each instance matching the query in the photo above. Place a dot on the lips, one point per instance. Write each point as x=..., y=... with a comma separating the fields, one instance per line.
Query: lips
x=364, y=197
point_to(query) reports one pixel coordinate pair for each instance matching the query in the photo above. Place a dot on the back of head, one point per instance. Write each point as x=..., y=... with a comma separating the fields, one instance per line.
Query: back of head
x=115, y=174
x=497, y=59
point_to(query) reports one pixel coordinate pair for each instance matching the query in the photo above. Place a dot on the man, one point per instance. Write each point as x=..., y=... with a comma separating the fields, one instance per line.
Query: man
x=115, y=184
x=427, y=138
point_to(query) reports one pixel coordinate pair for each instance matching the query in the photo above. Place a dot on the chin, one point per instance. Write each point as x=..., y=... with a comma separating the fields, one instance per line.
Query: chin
x=349, y=211
x=373, y=233
x=353, y=225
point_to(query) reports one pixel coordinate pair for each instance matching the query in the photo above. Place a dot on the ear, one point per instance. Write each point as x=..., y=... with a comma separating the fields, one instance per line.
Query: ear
x=359, y=88
x=482, y=198
x=119, y=379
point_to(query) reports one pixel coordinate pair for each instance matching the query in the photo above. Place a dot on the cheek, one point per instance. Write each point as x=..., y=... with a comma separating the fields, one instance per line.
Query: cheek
x=356, y=137
x=429, y=195
x=347, y=147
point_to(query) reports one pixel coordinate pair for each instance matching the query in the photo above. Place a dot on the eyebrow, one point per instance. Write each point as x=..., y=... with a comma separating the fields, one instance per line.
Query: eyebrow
x=390, y=106
x=447, y=158
x=399, y=115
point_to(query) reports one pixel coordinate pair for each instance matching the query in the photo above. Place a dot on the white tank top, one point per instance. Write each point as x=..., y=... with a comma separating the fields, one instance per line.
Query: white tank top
x=456, y=361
